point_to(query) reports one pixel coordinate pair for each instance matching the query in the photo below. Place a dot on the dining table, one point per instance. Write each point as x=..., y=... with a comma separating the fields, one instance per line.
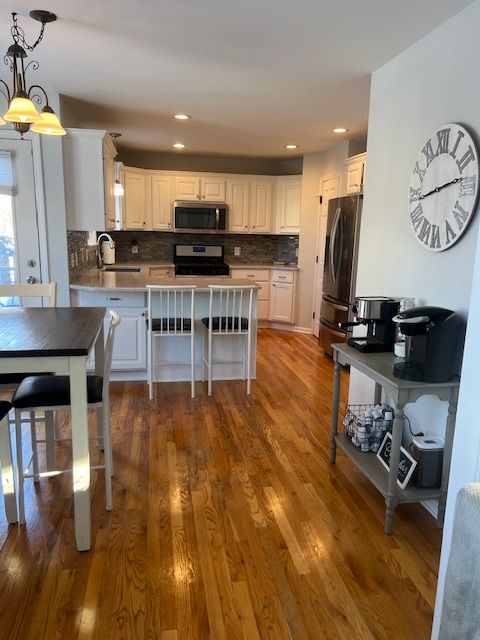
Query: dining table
x=59, y=340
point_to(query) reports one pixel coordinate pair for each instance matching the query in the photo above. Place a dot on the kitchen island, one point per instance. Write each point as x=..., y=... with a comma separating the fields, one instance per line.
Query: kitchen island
x=126, y=293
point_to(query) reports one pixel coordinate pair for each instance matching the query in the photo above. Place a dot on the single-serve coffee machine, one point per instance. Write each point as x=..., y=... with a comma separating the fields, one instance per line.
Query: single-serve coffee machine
x=377, y=313
x=434, y=340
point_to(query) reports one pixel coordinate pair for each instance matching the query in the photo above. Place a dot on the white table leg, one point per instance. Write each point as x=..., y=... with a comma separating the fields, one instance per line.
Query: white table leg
x=7, y=475
x=80, y=452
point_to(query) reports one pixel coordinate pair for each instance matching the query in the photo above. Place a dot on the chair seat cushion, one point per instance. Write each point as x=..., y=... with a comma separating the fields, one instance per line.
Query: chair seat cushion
x=52, y=391
x=4, y=408
x=226, y=323
x=171, y=324
x=16, y=378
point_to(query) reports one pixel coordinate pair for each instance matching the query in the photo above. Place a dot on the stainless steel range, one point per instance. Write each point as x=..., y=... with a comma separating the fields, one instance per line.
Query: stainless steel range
x=199, y=260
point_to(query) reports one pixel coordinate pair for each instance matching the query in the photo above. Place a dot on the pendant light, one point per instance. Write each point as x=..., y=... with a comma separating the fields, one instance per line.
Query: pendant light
x=118, y=189
x=21, y=111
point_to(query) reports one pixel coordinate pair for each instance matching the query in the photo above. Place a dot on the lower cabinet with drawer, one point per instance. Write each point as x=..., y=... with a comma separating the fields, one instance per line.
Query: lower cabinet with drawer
x=129, y=349
x=282, y=296
x=261, y=277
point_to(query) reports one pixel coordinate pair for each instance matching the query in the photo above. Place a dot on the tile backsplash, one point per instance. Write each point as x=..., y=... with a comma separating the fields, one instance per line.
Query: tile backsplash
x=154, y=246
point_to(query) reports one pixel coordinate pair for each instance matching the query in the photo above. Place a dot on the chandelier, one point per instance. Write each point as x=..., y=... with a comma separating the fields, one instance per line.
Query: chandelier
x=22, y=112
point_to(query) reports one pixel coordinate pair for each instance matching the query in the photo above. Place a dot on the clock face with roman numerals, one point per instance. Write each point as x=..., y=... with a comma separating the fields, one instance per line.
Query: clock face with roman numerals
x=444, y=187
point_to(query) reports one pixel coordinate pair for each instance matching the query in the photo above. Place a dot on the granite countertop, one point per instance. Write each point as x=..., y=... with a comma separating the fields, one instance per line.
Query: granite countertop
x=95, y=279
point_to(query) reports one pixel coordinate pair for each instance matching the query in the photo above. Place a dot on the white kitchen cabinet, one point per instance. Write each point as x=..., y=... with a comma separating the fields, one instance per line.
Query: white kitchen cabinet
x=250, y=204
x=282, y=295
x=289, y=194
x=129, y=349
x=261, y=201
x=88, y=165
x=355, y=173
x=135, y=213
x=161, y=201
x=261, y=277
x=206, y=187
x=238, y=200
x=147, y=203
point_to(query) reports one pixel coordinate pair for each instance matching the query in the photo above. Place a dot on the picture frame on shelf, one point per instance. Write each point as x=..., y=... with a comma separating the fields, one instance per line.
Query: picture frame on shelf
x=406, y=464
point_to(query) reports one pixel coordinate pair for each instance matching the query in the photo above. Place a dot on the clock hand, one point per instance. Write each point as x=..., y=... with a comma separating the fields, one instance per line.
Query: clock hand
x=437, y=189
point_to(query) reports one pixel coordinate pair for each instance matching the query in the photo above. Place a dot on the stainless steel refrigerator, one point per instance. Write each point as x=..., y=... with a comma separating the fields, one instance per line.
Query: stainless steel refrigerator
x=340, y=268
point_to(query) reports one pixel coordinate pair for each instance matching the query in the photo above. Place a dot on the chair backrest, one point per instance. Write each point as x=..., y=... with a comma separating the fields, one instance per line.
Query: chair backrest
x=115, y=320
x=168, y=307
x=233, y=304
x=37, y=290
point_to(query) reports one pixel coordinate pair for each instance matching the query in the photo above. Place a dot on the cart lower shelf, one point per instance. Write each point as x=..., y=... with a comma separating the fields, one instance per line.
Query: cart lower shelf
x=370, y=466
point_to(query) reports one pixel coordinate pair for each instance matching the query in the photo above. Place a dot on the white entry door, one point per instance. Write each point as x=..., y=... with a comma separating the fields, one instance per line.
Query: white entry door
x=329, y=188
x=19, y=239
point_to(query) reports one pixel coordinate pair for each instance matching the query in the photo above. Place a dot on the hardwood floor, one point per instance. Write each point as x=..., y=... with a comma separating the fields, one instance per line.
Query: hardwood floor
x=228, y=523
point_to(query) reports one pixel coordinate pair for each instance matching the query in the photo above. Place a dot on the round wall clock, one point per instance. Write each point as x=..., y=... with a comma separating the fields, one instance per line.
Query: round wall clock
x=444, y=187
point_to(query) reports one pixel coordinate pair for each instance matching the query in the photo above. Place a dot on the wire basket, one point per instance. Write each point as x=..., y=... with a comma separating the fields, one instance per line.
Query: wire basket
x=362, y=426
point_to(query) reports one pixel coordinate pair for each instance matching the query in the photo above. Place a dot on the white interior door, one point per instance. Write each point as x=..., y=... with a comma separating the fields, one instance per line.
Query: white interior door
x=19, y=239
x=329, y=188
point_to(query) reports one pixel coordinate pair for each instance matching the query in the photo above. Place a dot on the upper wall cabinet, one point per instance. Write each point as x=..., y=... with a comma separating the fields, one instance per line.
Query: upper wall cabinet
x=135, y=212
x=147, y=203
x=250, y=202
x=289, y=194
x=88, y=165
x=199, y=187
x=355, y=173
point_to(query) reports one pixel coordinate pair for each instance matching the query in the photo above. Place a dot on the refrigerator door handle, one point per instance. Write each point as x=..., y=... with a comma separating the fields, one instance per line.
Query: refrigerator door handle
x=332, y=243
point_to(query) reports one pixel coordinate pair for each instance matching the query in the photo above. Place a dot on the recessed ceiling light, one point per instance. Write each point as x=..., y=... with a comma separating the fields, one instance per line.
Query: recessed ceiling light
x=179, y=145
x=291, y=146
x=340, y=130
x=182, y=116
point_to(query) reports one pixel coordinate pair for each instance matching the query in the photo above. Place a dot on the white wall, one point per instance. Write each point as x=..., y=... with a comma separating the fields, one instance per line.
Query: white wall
x=315, y=166
x=431, y=83
x=55, y=213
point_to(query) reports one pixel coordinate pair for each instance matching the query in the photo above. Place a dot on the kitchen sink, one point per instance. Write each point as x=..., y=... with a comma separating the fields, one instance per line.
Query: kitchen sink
x=135, y=269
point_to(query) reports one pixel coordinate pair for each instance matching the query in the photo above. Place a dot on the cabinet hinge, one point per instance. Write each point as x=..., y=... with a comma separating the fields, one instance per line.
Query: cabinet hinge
x=320, y=199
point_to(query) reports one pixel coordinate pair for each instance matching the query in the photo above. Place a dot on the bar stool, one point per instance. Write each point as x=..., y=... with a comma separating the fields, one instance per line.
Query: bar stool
x=171, y=313
x=229, y=314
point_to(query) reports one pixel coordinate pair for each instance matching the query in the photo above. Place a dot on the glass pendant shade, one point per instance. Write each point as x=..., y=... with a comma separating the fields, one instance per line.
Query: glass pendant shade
x=48, y=124
x=118, y=188
x=22, y=110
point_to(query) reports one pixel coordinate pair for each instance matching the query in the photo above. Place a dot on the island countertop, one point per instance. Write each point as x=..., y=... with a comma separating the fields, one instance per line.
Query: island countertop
x=95, y=279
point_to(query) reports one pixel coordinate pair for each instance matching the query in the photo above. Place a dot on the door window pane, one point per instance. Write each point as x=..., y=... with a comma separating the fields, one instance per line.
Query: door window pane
x=8, y=271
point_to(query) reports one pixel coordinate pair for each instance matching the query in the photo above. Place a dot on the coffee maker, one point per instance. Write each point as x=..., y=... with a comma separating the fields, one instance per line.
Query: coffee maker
x=434, y=340
x=377, y=313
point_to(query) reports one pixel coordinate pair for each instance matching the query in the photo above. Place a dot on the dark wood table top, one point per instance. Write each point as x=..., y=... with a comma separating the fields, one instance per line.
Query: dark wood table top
x=52, y=331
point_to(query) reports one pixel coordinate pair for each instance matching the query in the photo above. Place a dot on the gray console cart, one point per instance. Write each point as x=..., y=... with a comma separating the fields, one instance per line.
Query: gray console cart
x=379, y=367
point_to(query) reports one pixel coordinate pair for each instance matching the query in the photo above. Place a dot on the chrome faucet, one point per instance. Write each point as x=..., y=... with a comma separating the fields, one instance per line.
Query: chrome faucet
x=111, y=244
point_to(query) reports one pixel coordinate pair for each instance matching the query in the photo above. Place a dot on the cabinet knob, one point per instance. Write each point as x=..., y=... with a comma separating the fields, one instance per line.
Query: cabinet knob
x=253, y=227
x=246, y=226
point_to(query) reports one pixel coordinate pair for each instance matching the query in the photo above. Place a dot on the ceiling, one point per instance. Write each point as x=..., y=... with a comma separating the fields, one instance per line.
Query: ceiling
x=254, y=75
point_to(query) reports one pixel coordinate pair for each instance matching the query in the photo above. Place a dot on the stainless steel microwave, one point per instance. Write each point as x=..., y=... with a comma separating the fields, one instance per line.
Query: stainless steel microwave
x=202, y=217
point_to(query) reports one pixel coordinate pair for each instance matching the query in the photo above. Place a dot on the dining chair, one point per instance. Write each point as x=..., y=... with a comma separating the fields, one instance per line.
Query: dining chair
x=6, y=464
x=230, y=313
x=52, y=393
x=171, y=314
